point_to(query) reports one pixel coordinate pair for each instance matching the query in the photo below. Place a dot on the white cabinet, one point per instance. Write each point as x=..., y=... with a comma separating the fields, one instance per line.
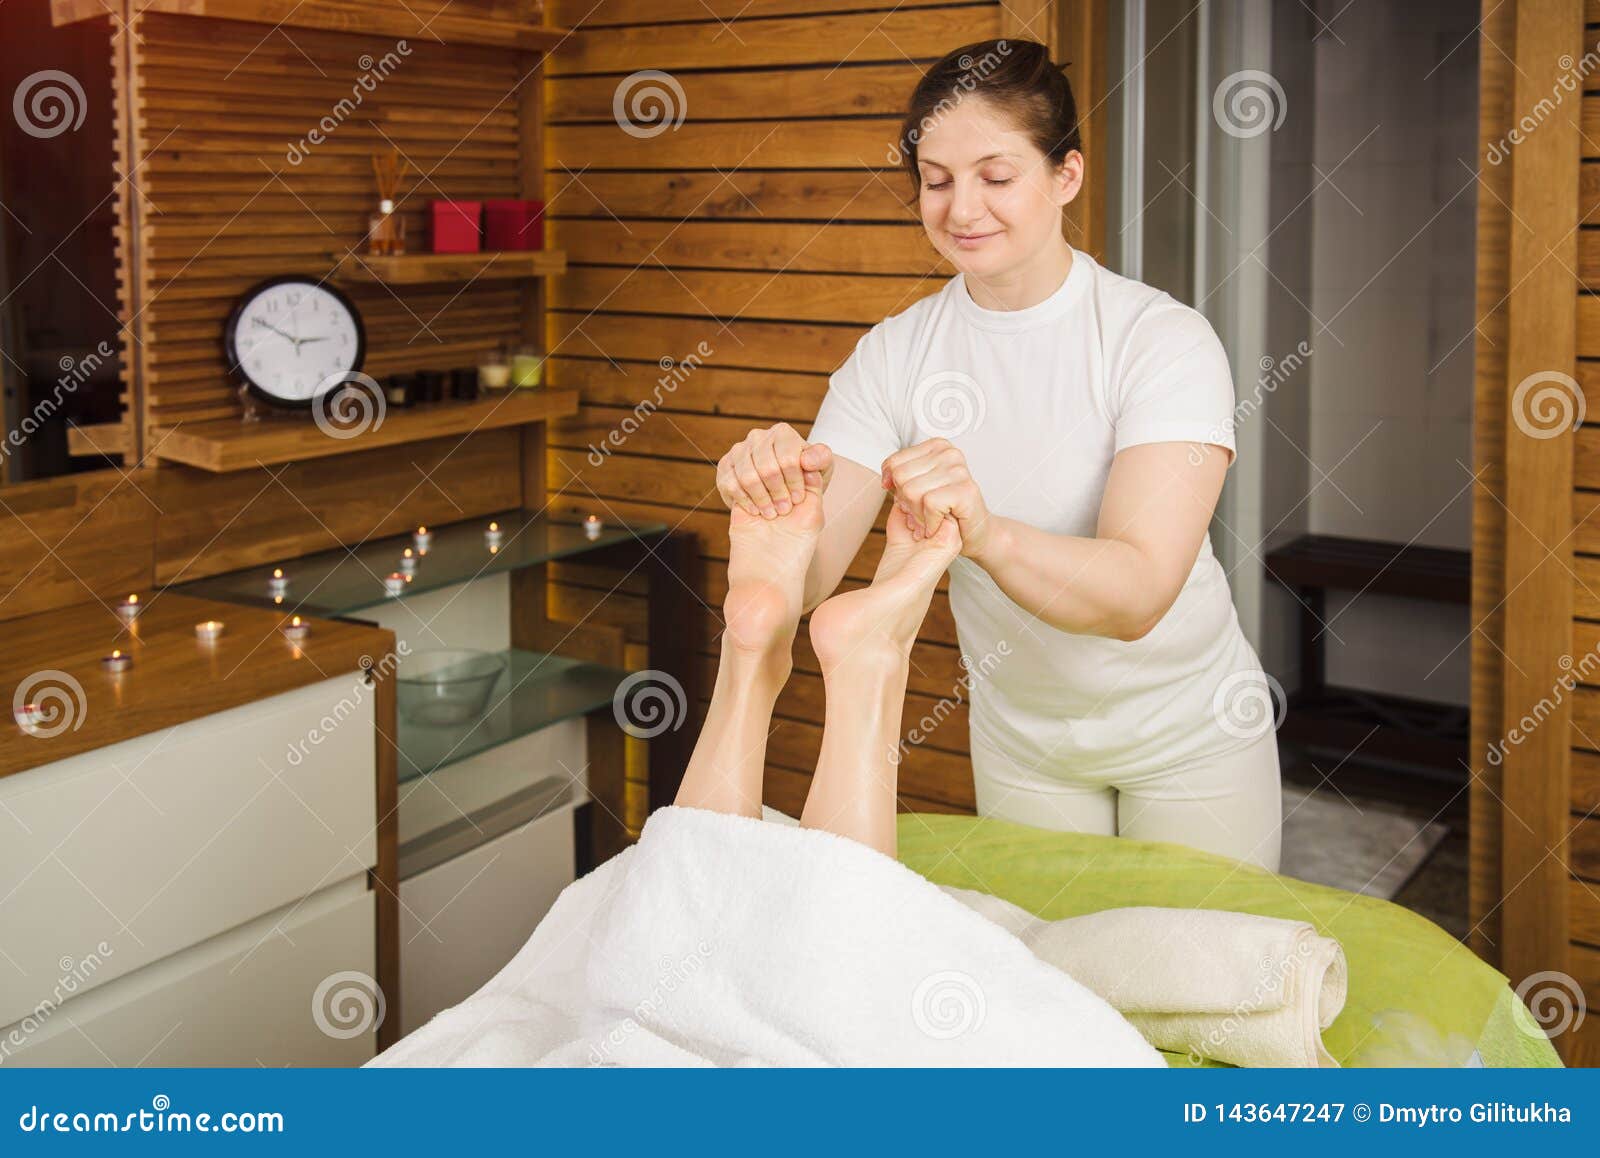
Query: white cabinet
x=115, y=862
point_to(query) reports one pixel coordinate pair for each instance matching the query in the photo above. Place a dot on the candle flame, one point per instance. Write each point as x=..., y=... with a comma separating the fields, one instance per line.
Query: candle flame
x=277, y=572
x=116, y=653
x=408, y=553
x=422, y=530
x=134, y=598
x=295, y=621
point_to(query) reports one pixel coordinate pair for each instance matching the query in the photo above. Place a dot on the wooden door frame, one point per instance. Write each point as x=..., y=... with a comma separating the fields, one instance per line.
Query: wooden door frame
x=1522, y=510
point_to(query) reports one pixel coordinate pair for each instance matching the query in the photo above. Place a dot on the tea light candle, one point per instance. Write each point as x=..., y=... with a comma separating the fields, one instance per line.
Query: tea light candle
x=29, y=716
x=408, y=563
x=422, y=538
x=394, y=583
x=297, y=629
x=492, y=535
x=117, y=661
x=278, y=584
x=592, y=526
x=208, y=631
x=129, y=609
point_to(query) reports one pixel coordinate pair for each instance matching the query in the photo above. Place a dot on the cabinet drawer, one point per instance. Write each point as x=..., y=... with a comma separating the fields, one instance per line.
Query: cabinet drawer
x=461, y=921
x=137, y=850
x=291, y=988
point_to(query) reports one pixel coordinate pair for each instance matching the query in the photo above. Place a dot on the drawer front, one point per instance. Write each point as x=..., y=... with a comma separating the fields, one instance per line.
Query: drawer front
x=291, y=988
x=123, y=856
x=461, y=921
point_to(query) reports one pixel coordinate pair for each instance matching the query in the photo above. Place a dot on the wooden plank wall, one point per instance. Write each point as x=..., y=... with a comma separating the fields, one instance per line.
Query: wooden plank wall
x=770, y=226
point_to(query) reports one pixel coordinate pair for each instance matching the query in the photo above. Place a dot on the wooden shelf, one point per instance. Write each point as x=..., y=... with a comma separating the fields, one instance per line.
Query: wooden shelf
x=420, y=268
x=231, y=444
x=339, y=16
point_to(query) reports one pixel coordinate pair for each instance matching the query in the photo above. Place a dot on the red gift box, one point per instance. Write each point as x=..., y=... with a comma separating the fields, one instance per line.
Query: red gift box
x=513, y=224
x=455, y=226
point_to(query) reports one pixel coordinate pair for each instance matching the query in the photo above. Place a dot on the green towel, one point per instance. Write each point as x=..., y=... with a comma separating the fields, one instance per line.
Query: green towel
x=1418, y=997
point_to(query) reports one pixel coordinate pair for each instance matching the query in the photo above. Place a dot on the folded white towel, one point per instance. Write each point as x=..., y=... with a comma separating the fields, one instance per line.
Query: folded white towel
x=1235, y=987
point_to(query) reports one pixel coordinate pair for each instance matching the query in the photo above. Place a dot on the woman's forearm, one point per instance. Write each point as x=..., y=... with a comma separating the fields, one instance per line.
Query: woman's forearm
x=1084, y=586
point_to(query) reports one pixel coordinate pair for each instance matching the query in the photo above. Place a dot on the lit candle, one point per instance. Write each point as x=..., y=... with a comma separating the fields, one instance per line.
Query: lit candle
x=297, y=629
x=117, y=661
x=279, y=583
x=394, y=583
x=408, y=563
x=29, y=716
x=129, y=609
x=422, y=539
x=592, y=526
x=208, y=631
x=492, y=535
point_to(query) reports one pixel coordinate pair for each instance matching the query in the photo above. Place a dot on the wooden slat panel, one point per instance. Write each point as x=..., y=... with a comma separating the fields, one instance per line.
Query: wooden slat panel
x=913, y=34
x=1585, y=782
x=873, y=90
x=756, y=294
x=786, y=247
x=1584, y=1047
x=758, y=345
x=801, y=194
x=577, y=14
x=1584, y=905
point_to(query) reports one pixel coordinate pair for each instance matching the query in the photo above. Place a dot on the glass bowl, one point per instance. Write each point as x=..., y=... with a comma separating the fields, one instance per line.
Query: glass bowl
x=443, y=687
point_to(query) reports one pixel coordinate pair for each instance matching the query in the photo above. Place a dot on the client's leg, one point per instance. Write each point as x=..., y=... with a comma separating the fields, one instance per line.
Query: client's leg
x=767, y=562
x=863, y=639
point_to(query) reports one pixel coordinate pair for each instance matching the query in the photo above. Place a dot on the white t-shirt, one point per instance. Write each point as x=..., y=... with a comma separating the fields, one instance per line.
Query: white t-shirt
x=1040, y=400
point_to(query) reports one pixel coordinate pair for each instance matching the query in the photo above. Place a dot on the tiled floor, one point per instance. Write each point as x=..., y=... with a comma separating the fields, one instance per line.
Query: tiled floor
x=1438, y=889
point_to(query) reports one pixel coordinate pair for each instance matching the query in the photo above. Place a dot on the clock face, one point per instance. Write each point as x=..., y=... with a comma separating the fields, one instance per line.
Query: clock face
x=291, y=339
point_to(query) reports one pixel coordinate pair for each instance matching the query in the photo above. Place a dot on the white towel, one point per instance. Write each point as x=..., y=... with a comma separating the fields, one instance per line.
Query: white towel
x=1235, y=987
x=724, y=940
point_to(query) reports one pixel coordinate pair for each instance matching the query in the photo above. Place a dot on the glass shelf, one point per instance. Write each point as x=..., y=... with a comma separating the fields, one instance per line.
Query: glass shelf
x=535, y=691
x=341, y=582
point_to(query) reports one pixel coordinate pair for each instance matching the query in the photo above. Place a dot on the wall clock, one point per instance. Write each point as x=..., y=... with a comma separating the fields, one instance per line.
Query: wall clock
x=290, y=340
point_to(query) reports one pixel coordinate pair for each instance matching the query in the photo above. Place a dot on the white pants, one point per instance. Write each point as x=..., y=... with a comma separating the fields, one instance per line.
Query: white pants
x=1229, y=804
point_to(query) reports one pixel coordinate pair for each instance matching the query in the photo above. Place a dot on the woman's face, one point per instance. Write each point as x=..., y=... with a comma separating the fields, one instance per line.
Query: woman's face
x=990, y=199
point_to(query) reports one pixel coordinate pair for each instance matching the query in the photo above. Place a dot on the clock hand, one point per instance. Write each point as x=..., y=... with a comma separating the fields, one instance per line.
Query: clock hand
x=274, y=329
x=318, y=338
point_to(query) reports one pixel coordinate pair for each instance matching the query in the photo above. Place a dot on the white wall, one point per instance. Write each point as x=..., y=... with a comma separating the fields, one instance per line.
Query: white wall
x=1391, y=302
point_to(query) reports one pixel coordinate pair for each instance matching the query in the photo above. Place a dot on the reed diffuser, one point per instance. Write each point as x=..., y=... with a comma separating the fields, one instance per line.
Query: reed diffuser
x=386, y=230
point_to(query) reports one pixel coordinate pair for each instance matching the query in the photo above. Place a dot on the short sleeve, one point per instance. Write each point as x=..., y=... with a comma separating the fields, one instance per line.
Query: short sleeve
x=1174, y=384
x=856, y=419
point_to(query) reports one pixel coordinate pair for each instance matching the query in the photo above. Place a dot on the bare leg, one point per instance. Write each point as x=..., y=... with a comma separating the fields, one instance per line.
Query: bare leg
x=863, y=639
x=767, y=566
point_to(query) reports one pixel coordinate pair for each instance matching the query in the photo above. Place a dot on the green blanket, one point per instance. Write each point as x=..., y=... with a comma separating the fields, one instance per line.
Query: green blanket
x=1418, y=997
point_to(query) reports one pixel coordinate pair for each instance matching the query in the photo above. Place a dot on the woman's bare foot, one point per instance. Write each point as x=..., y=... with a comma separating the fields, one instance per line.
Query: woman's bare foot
x=879, y=623
x=767, y=564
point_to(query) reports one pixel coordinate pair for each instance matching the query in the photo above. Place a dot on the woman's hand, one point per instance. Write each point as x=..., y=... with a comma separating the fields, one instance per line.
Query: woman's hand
x=767, y=473
x=931, y=482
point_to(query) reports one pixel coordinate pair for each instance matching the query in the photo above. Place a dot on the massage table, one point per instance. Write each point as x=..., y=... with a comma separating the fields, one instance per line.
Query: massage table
x=1417, y=996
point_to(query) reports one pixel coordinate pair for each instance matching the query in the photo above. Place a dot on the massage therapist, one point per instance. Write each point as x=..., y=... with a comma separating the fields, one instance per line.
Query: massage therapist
x=1077, y=426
